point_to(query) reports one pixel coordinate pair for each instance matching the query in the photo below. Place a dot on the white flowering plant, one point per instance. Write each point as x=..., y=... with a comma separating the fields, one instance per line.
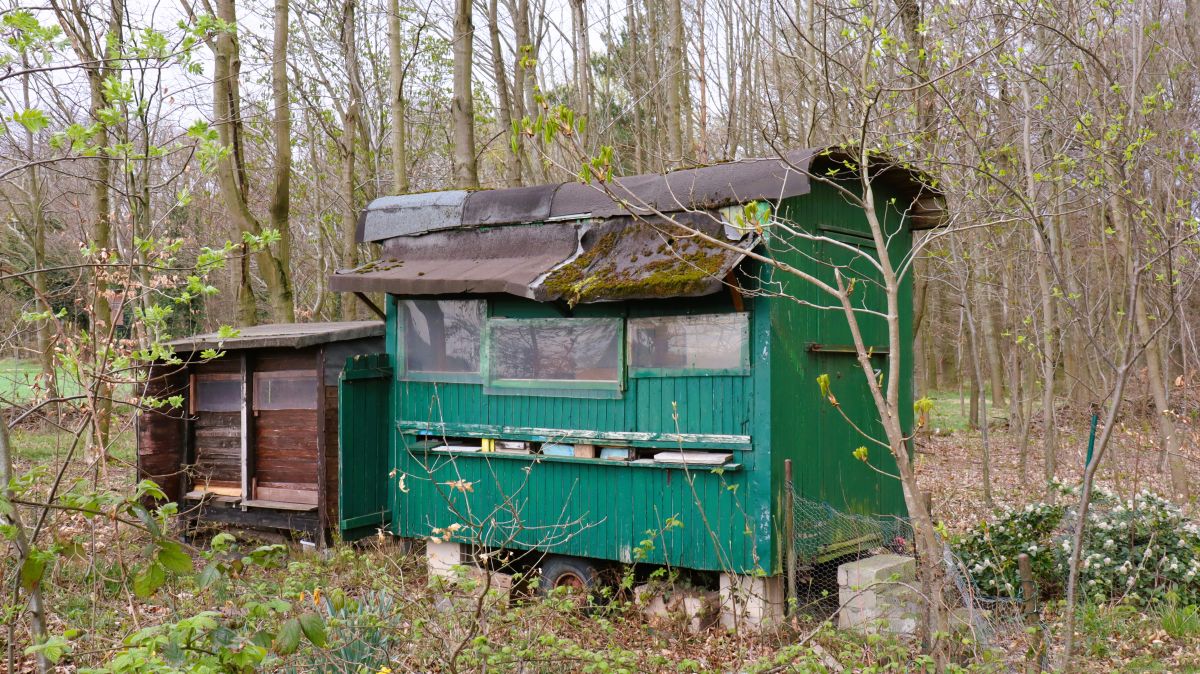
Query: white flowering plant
x=1137, y=549
x=989, y=552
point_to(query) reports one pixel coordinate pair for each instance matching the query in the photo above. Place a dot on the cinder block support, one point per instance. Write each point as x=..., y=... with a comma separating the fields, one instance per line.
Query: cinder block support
x=441, y=558
x=876, y=594
x=751, y=602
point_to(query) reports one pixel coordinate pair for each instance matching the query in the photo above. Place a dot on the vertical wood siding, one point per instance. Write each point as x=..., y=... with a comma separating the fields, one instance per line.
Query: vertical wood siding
x=218, y=438
x=161, y=433
x=285, y=449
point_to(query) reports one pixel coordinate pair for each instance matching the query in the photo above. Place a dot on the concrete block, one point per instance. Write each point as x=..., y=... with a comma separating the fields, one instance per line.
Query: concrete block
x=751, y=602
x=697, y=609
x=441, y=558
x=876, y=569
x=876, y=594
x=701, y=611
x=651, y=601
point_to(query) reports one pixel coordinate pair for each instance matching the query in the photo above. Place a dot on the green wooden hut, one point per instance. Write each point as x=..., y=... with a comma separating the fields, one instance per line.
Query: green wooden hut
x=574, y=373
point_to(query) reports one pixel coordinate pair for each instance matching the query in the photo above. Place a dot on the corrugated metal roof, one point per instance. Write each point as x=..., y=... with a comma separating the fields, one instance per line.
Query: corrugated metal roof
x=701, y=188
x=501, y=260
x=580, y=261
x=591, y=243
x=294, y=335
x=407, y=214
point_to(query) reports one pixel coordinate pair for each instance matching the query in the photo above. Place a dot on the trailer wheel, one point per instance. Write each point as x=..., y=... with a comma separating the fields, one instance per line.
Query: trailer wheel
x=575, y=576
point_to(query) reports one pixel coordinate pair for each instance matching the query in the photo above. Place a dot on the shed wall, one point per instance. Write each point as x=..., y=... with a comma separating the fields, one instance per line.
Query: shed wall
x=580, y=507
x=162, y=433
x=808, y=342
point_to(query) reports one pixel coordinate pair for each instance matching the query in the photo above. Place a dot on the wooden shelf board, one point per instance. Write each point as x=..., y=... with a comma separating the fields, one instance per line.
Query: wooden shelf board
x=279, y=505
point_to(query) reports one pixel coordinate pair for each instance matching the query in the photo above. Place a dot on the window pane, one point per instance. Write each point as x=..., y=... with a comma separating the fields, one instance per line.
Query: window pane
x=289, y=390
x=442, y=335
x=218, y=395
x=570, y=349
x=706, y=342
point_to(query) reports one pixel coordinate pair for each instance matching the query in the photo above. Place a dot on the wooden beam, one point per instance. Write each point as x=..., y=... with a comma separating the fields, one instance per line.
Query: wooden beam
x=371, y=305
x=322, y=485
x=247, y=435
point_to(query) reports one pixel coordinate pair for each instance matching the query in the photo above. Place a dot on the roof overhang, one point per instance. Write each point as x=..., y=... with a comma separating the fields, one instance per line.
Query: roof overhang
x=281, y=335
x=597, y=242
x=595, y=260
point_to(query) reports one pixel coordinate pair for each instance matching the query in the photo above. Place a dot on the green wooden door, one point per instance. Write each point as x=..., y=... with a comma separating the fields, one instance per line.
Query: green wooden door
x=364, y=428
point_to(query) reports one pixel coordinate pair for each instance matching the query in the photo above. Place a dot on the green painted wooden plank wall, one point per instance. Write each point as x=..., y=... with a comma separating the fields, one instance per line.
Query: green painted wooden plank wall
x=606, y=511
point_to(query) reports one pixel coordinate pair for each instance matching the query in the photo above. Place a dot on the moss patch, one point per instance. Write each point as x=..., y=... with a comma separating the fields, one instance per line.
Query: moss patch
x=621, y=265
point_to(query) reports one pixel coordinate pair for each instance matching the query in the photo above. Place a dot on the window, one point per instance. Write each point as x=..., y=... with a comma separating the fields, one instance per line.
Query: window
x=708, y=343
x=442, y=337
x=217, y=393
x=285, y=390
x=557, y=353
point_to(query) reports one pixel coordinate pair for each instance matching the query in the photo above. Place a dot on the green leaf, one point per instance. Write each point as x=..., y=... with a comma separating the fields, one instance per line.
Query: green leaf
x=209, y=575
x=33, y=120
x=288, y=639
x=149, y=579
x=314, y=629
x=34, y=568
x=171, y=556
x=53, y=648
x=823, y=384
x=861, y=454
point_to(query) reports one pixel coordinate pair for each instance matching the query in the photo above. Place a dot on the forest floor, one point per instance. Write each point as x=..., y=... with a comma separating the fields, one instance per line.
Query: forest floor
x=438, y=629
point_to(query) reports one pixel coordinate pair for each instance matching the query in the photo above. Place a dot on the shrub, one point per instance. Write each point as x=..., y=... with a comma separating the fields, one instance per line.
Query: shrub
x=1137, y=549
x=990, y=551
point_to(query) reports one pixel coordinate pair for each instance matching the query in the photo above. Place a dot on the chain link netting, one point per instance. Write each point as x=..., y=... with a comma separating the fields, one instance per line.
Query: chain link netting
x=824, y=538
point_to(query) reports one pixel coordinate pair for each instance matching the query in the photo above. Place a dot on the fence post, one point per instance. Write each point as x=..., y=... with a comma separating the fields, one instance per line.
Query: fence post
x=1029, y=611
x=789, y=534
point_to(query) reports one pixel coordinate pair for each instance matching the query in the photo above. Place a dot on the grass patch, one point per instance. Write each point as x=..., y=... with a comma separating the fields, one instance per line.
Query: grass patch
x=20, y=380
x=947, y=414
x=1180, y=622
x=50, y=445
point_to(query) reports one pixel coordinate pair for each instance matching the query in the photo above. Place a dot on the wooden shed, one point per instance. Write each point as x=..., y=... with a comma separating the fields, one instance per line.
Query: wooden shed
x=584, y=378
x=255, y=442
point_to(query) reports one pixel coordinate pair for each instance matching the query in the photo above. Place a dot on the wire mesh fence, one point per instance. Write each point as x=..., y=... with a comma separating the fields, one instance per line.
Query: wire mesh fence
x=824, y=538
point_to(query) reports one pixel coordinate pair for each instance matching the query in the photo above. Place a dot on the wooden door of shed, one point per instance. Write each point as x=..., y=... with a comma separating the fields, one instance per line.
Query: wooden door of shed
x=286, y=408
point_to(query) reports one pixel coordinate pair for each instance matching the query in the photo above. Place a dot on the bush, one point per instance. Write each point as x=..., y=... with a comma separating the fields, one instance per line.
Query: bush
x=1136, y=549
x=990, y=551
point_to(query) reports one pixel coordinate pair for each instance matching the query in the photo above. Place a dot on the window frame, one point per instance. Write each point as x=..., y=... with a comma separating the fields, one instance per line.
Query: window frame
x=402, y=370
x=313, y=375
x=565, y=388
x=742, y=369
x=212, y=377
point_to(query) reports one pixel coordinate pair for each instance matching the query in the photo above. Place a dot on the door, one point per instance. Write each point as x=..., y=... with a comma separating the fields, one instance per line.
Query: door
x=365, y=428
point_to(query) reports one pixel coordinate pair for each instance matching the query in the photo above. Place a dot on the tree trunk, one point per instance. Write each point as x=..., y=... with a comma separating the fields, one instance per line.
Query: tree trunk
x=349, y=151
x=37, y=241
x=232, y=194
x=504, y=104
x=37, y=608
x=399, y=102
x=232, y=173
x=583, y=76
x=1049, y=326
x=282, y=300
x=462, y=107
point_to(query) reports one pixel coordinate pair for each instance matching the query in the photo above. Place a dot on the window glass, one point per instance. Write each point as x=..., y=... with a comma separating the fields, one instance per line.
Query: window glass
x=286, y=390
x=218, y=394
x=442, y=335
x=704, y=342
x=567, y=349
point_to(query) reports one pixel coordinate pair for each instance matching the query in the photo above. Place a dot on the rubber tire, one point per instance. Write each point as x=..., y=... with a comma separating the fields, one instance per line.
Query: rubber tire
x=573, y=571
